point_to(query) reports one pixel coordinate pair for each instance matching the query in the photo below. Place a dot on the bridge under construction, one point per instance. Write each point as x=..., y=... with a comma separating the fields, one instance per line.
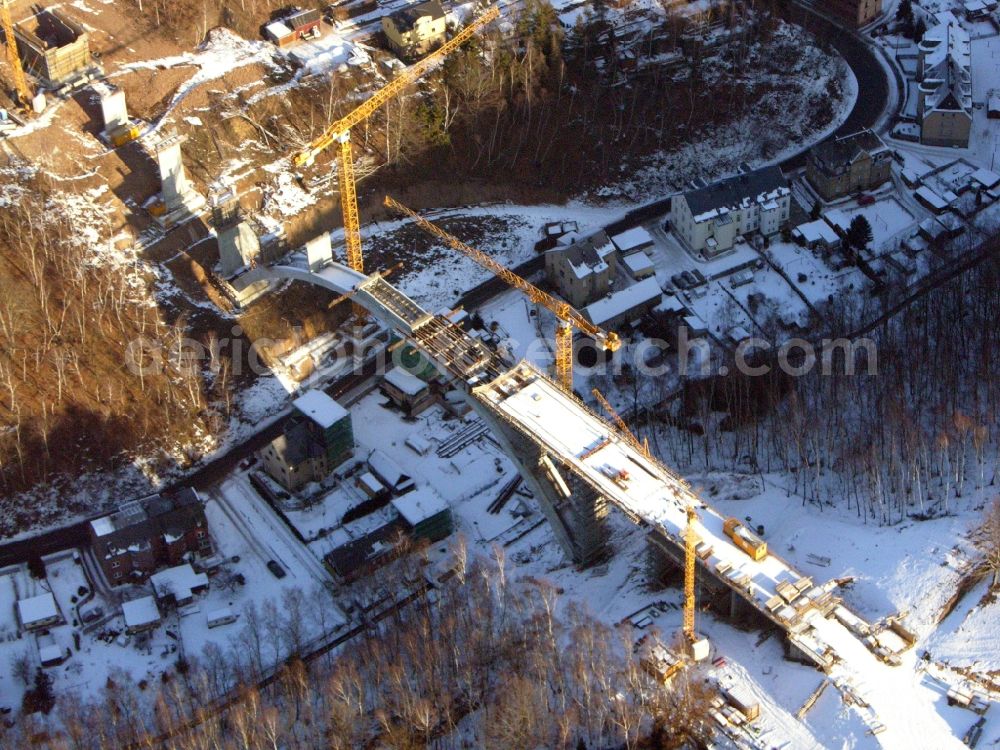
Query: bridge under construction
x=577, y=464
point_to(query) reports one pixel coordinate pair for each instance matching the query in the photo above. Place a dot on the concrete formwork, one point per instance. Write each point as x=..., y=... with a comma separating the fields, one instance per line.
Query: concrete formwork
x=53, y=48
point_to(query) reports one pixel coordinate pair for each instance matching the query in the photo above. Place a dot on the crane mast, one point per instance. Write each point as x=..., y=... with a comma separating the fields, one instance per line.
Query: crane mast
x=20, y=81
x=340, y=132
x=642, y=447
x=569, y=318
x=690, y=542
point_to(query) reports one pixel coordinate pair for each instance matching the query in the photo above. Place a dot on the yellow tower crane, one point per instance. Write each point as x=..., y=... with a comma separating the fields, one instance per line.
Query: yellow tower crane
x=20, y=81
x=697, y=648
x=567, y=315
x=642, y=447
x=340, y=132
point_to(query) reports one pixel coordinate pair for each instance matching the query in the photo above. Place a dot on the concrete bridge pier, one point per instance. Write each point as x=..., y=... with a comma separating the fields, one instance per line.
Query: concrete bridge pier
x=576, y=513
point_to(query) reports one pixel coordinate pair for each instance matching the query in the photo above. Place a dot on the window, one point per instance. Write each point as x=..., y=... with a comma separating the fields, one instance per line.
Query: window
x=201, y=534
x=118, y=574
x=116, y=564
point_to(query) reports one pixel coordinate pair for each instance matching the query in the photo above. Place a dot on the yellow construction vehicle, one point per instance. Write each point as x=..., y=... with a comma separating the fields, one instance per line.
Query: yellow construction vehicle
x=20, y=81
x=745, y=539
x=125, y=134
x=568, y=317
x=340, y=132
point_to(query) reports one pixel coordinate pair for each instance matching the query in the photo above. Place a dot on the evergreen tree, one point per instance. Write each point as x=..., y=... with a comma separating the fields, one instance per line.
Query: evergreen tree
x=859, y=234
x=817, y=209
x=919, y=29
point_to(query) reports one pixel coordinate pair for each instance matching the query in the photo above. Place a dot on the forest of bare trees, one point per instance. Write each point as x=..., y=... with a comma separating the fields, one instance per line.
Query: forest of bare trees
x=68, y=404
x=485, y=661
x=909, y=440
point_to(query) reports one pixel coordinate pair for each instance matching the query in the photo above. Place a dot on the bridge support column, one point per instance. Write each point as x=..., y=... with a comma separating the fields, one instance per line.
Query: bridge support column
x=576, y=513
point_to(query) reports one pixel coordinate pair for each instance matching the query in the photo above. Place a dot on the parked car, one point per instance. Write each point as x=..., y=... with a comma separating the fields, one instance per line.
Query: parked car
x=277, y=570
x=866, y=199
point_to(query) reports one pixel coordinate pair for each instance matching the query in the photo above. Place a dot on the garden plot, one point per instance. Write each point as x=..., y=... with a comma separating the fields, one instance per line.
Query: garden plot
x=888, y=218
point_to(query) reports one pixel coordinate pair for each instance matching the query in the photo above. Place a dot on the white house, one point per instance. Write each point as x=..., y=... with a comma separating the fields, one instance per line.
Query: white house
x=709, y=219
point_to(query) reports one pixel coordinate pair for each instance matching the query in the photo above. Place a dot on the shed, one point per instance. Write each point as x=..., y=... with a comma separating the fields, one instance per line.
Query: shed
x=38, y=611
x=639, y=265
x=50, y=653
x=140, y=614
x=370, y=485
x=426, y=514
x=300, y=24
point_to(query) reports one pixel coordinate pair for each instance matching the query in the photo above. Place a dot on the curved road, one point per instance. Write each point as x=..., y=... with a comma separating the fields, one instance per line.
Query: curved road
x=869, y=107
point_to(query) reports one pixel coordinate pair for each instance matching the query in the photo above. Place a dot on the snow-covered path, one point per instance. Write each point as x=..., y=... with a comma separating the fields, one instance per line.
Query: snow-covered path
x=896, y=695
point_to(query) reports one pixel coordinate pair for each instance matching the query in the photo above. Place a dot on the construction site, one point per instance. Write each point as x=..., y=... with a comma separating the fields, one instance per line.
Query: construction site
x=244, y=210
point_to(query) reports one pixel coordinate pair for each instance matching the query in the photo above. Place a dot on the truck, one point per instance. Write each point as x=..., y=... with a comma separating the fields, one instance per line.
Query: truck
x=745, y=539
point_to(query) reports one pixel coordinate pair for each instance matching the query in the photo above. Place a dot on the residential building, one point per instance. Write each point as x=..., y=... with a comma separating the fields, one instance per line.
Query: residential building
x=625, y=306
x=817, y=235
x=140, y=615
x=37, y=612
x=854, y=13
x=146, y=534
x=581, y=269
x=944, y=94
x=845, y=165
x=710, y=218
x=417, y=29
x=178, y=585
x=317, y=438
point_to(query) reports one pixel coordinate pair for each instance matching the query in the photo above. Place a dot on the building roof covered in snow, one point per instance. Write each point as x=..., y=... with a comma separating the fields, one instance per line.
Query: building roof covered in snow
x=141, y=612
x=419, y=505
x=947, y=56
x=179, y=581
x=639, y=264
x=734, y=193
x=816, y=231
x=388, y=471
x=585, y=255
x=641, y=293
x=632, y=239
x=37, y=609
x=406, y=382
x=320, y=408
